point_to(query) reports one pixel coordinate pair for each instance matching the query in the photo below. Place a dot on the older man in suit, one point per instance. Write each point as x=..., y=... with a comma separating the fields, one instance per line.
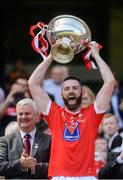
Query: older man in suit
x=22, y=157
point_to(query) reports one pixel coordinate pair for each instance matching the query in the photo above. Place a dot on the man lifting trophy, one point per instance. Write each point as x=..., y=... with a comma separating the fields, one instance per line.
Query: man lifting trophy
x=67, y=36
x=73, y=128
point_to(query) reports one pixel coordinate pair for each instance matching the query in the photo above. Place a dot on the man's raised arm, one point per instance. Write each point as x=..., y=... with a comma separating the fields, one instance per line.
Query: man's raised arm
x=40, y=97
x=103, y=97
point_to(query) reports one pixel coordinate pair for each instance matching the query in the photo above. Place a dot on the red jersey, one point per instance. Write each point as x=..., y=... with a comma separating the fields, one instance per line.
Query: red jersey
x=73, y=141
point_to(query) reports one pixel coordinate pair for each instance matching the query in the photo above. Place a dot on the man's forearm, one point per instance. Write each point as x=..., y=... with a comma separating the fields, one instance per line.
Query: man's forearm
x=104, y=69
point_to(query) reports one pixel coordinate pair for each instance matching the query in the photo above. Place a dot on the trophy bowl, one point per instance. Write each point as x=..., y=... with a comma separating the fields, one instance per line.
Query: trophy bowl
x=67, y=36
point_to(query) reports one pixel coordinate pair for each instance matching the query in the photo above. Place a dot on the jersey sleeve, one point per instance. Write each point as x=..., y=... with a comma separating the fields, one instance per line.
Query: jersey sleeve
x=52, y=113
x=97, y=110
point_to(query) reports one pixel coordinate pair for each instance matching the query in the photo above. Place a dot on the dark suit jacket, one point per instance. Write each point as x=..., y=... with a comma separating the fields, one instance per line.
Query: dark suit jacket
x=11, y=147
x=117, y=142
x=112, y=169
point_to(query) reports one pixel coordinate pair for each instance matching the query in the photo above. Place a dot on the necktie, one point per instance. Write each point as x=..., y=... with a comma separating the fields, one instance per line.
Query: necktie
x=26, y=143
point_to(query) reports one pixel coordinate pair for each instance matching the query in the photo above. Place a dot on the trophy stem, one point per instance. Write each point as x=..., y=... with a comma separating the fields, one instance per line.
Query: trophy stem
x=62, y=52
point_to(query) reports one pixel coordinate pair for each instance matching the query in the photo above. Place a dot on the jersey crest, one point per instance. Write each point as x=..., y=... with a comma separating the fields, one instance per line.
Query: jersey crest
x=71, y=132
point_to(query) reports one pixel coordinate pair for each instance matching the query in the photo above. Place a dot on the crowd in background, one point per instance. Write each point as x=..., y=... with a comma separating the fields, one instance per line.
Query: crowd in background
x=110, y=132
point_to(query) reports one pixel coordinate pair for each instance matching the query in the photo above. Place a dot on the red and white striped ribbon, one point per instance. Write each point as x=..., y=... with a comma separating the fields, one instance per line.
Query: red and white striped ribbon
x=39, y=43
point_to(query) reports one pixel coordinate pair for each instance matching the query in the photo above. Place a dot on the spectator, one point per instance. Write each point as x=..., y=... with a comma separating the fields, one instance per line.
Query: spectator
x=17, y=71
x=110, y=127
x=73, y=129
x=88, y=96
x=15, y=161
x=53, y=85
x=101, y=150
x=18, y=91
x=65, y=71
x=115, y=103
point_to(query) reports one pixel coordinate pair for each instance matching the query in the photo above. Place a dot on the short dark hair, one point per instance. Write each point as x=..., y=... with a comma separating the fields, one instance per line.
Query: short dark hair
x=72, y=78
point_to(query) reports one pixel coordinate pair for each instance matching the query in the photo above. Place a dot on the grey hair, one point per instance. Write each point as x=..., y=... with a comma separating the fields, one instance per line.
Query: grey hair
x=27, y=101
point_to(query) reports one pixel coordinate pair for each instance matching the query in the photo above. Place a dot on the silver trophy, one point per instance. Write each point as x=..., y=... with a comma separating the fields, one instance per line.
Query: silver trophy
x=67, y=36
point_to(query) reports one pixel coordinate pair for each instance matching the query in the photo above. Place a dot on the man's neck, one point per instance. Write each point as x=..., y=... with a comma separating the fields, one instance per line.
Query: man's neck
x=74, y=111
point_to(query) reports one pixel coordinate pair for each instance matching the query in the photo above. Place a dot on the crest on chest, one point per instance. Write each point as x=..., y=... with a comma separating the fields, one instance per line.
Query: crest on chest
x=71, y=126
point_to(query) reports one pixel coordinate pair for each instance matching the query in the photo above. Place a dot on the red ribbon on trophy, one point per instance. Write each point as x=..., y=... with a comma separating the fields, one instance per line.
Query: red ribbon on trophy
x=39, y=43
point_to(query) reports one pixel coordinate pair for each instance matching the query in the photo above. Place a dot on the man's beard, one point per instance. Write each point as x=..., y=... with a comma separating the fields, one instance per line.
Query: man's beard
x=73, y=107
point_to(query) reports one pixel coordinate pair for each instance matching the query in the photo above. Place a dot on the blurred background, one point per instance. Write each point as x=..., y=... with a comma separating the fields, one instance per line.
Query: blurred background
x=104, y=18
